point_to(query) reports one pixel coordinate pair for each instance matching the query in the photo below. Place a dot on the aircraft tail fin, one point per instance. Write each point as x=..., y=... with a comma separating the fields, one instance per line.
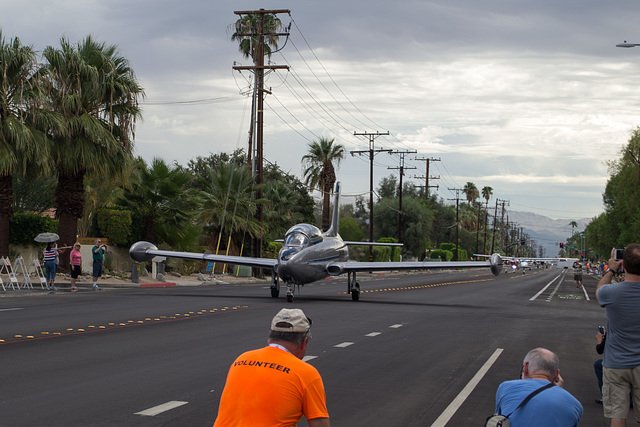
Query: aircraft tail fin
x=335, y=218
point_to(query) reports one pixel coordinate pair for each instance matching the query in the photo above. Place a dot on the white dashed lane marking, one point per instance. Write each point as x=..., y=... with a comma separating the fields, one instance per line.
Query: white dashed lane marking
x=307, y=358
x=373, y=334
x=396, y=326
x=152, y=412
x=344, y=344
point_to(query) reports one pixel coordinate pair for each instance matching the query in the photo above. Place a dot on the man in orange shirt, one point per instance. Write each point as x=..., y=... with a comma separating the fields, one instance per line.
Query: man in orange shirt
x=272, y=386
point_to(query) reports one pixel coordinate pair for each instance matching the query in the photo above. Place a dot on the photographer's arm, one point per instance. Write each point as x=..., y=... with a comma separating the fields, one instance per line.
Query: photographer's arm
x=607, y=277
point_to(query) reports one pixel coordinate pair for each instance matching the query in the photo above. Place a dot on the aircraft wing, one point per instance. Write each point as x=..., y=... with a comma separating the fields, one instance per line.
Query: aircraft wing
x=348, y=243
x=520, y=258
x=337, y=268
x=145, y=251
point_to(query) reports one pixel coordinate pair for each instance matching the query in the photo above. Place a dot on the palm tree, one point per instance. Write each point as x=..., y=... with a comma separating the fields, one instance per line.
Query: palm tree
x=246, y=33
x=283, y=202
x=471, y=192
x=22, y=146
x=160, y=196
x=96, y=93
x=320, y=172
x=487, y=192
x=227, y=205
x=573, y=225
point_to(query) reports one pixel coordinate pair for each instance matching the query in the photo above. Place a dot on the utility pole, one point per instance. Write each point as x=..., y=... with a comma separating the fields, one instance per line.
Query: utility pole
x=486, y=221
x=401, y=168
x=258, y=68
x=495, y=221
x=502, y=223
x=372, y=152
x=457, y=199
x=427, y=177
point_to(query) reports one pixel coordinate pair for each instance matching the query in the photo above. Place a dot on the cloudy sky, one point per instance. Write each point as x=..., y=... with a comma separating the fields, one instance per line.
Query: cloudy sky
x=528, y=97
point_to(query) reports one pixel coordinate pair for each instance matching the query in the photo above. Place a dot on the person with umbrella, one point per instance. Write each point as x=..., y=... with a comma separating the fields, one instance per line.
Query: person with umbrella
x=50, y=266
x=51, y=257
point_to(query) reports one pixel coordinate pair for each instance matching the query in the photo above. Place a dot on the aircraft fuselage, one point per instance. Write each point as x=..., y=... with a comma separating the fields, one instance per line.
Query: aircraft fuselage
x=302, y=260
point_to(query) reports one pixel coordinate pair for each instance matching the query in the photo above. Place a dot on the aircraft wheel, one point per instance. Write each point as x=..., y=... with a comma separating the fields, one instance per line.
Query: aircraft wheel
x=289, y=298
x=275, y=292
x=355, y=292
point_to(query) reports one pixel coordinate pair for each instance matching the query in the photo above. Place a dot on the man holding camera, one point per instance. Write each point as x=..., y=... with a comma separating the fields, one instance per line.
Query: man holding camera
x=98, y=258
x=552, y=407
x=621, y=361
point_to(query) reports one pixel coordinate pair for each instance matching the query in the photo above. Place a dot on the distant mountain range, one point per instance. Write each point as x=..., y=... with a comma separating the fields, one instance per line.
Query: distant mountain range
x=547, y=232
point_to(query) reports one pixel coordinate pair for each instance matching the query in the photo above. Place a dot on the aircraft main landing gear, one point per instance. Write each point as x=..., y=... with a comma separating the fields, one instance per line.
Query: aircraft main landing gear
x=289, y=293
x=275, y=287
x=353, y=287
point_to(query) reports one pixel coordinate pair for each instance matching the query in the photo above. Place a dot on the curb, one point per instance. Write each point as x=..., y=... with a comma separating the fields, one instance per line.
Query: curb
x=158, y=285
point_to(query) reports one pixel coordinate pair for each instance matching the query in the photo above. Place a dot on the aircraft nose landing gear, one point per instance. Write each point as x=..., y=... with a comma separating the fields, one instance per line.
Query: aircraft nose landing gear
x=290, y=293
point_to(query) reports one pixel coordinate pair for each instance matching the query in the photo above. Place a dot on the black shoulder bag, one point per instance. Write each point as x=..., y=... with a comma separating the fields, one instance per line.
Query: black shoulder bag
x=498, y=420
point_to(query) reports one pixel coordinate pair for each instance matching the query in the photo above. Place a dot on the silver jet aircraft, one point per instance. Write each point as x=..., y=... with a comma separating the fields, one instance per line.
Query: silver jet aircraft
x=309, y=255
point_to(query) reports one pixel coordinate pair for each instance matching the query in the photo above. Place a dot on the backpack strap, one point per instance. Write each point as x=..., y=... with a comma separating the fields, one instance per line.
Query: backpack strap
x=533, y=393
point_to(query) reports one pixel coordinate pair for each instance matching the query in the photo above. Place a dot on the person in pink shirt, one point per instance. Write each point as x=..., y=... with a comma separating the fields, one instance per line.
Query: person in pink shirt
x=75, y=261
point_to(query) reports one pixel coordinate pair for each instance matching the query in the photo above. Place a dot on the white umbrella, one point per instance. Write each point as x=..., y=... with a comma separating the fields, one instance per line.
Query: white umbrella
x=46, y=237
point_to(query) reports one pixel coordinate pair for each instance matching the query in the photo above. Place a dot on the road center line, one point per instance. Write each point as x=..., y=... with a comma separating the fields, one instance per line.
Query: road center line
x=555, y=291
x=152, y=412
x=586, y=295
x=373, y=334
x=444, y=418
x=544, y=289
x=11, y=309
x=344, y=344
x=307, y=358
x=396, y=326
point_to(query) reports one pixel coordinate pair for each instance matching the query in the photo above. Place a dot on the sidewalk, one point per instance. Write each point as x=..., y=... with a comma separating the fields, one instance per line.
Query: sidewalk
x=108, y=282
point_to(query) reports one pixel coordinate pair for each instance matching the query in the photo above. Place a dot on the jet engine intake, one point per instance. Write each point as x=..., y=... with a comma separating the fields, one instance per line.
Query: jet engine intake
x=334, y=270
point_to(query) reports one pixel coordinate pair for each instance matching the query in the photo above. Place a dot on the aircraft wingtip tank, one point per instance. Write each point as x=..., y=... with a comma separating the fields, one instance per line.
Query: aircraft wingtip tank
x=496, y=264
x=138, y=251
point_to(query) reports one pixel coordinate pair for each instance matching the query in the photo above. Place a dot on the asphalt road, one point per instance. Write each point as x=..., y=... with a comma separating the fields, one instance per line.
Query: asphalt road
x=416, y=350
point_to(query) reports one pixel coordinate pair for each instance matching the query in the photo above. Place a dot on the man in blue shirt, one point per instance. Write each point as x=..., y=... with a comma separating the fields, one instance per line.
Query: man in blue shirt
x=621, y=373
x=550, y=408
x=98, y=258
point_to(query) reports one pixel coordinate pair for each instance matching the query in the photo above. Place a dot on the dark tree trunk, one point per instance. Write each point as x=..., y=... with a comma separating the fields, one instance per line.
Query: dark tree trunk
x=6, y=212
x=69, y=207
x=149, y=231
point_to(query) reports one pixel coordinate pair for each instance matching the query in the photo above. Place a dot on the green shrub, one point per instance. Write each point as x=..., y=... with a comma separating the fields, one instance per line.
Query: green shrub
x=448, y=246
x=442, y=254
x=387, y=253
x=272, y=250
x=24, y=227
x=115, y=224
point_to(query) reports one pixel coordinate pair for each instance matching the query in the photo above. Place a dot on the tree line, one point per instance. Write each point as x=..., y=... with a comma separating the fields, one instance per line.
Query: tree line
x=67, y=122
x=67, y=119
x=619, y=224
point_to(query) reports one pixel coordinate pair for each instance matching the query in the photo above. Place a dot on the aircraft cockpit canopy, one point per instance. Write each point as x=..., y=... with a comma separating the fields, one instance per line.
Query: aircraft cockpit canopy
x=302, y=235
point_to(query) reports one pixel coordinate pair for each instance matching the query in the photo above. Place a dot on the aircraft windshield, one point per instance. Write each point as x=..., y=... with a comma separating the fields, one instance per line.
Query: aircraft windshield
x=296, y=239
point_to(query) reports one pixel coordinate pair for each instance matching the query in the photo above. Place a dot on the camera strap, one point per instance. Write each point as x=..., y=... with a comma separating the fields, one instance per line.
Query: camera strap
x=528, y=398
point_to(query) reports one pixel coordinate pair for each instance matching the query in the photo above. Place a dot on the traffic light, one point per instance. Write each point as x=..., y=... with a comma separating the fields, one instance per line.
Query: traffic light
x=561, y=245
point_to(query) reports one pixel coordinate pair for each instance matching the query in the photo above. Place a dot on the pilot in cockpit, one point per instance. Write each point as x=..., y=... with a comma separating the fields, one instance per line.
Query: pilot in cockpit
x=303, y=235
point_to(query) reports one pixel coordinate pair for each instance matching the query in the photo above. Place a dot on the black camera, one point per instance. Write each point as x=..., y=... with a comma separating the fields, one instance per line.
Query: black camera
x=618, y=254
x=601, y=329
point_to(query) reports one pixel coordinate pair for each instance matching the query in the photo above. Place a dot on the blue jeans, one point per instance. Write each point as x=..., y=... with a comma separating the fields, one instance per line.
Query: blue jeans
x=597, y=368
x=50, y=268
